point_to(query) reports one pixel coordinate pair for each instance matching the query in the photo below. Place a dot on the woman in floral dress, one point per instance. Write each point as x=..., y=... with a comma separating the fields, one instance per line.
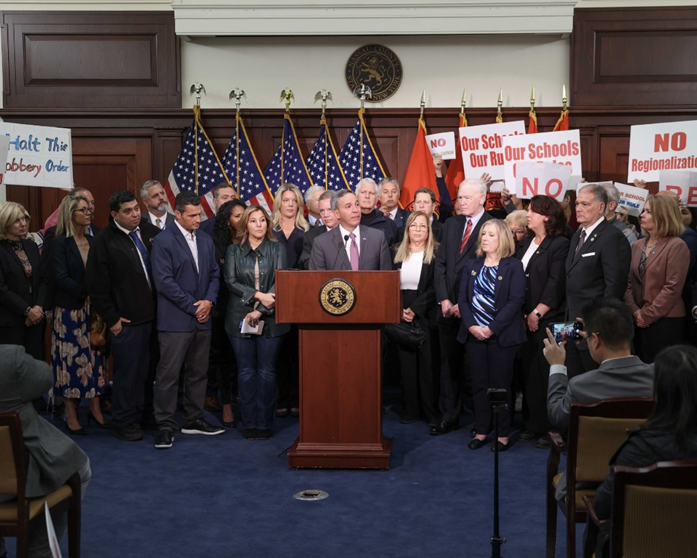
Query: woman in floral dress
x=77, y=369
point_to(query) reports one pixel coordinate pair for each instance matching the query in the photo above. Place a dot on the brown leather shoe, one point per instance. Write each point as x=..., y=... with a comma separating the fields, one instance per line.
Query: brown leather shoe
x=211, y=404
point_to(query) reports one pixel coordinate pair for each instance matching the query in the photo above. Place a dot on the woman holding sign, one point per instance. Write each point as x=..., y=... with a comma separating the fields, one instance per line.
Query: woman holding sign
x=656, y=277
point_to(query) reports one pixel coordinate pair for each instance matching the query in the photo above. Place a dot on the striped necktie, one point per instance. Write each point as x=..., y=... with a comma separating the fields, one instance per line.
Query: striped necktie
x=466, y=236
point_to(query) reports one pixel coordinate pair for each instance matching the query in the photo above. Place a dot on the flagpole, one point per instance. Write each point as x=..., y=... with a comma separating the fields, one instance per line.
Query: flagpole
x=363, y=91
x=499, y=104
x=463, y=106
x=325, y=95
x=287, y=97
x=197, y=88
x=237, y=93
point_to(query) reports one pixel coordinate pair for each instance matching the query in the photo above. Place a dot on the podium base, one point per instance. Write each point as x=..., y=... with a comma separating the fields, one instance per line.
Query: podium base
x=340, y=456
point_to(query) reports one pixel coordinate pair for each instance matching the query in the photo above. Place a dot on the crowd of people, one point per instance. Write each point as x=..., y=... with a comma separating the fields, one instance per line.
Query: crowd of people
x=189, y=306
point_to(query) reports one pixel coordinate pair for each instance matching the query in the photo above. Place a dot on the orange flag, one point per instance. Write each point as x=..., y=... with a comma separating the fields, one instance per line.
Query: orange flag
x=563, y=122
x=456, y=171
x=532, y=127
x=420, y=172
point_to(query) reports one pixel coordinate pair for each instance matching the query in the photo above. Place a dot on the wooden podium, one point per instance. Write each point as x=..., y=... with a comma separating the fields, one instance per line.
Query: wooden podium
x=340, y=356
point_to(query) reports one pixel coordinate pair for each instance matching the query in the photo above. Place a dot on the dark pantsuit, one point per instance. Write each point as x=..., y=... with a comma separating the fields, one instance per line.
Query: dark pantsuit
x=536, y=382
x=131, y=350
x=452, y=371
x=648, y=341
x=31, y=338
x=287, y=370
x=149, y=393
x=417, y=382
x=222, y=365
x=492, y=367
x=178, y=348
x=578, y=360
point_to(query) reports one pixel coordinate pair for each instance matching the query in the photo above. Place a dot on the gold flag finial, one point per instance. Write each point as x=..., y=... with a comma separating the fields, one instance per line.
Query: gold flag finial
x=363, y=92
x=237, y=94
x=325, y=96
x=532, y=99
x=563, y=97
x=422, y=103
x=463, y=101
x=287, y=97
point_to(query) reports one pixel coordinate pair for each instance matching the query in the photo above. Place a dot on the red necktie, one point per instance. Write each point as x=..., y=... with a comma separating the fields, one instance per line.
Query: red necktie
x=466, y=236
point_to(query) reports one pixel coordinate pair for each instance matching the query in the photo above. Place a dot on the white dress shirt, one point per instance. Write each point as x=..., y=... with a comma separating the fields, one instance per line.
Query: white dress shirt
x=140, y=256
x=191, y=242
x=347, y=243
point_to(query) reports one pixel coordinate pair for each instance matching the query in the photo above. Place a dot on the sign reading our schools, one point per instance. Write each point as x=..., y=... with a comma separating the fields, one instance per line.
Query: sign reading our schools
x=38, y=156
x=683, y=183
x=549, y=179
x=482, y=147
x=657, y=147
x=442, y=145
x=633, y=198
x=561, y=148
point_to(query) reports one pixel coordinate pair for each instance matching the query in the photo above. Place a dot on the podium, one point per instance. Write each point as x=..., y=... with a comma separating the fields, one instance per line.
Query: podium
x=339, y=314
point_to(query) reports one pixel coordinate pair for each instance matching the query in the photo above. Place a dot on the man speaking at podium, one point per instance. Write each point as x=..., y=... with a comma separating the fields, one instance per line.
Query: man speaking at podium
x=350, y=246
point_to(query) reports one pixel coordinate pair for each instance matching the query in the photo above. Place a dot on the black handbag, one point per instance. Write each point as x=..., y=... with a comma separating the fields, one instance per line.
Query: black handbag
x=410, y=336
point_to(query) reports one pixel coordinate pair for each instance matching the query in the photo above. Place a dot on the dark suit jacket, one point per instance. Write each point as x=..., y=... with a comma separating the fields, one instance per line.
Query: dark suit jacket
x=424, y=306
x=68, y=273
x=449, y=261
x=620, y=377
x=329, y=251
x=116, y=281
x=308, y=240
x=177, y=281
x=545, y=278
x=600, y=269
x=16, y=291
x=384, y=224
x=169, y=220
x=47, y=263
x=658, y=294
x=400, y=218
x=509, y=295
x=53, y=457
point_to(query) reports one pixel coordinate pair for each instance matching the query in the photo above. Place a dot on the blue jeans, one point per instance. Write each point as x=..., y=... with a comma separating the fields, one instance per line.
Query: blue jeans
x=256, y=379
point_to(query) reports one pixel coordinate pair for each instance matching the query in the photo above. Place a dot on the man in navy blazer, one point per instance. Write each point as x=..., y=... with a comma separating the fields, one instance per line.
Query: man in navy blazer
x=186, y=277
x=389, y=202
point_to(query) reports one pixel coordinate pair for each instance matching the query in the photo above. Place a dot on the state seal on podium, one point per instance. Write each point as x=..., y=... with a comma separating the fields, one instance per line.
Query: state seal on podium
x=337, y=297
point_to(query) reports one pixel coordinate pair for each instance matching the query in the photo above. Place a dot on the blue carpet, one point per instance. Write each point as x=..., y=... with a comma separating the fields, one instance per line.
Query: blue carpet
x=226, y=496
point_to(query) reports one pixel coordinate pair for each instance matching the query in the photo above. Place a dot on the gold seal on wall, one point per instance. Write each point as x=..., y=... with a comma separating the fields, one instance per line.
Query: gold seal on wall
x=378, y=68
x=337, y=297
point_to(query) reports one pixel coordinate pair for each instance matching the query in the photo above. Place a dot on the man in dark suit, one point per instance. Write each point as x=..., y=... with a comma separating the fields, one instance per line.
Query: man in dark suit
x=459, y=244
x=368, y=193
x=350, y=246
x=330, y=220
x=222, y=193
x=53, y=457
x=610, y=330
x=312, y=195
x=597, y=266
x=155, y=203
x=389, y=202
x=425, y=200
x=119, y=284
x=187, y=279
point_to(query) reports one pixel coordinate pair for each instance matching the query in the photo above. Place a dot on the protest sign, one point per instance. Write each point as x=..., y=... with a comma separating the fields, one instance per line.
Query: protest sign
x=482, y=147
x=38, y=156
x=442, y=145
x=4, y=149
x=633, y=198
x=683, y=183
x=562, y=148
x=547, y=179
x=657, y=147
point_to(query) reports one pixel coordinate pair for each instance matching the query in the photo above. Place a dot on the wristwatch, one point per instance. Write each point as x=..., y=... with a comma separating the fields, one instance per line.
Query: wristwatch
x=26, y=312
x=537, y=313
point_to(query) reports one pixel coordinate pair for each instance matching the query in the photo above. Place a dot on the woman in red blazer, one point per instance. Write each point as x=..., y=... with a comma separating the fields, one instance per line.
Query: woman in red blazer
x=656, y=277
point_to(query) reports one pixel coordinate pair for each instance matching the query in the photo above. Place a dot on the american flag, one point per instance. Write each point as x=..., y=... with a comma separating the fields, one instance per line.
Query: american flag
x=288, y=165
x=197, y=166
x=350, y=156
x=323, y=163
x=242, y=167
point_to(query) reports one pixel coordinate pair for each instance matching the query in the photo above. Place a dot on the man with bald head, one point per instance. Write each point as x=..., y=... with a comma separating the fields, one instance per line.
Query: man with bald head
x=459, y=244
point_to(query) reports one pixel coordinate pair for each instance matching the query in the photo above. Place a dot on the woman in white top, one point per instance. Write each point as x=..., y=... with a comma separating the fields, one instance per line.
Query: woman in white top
x=543, y=256
x=415, y=257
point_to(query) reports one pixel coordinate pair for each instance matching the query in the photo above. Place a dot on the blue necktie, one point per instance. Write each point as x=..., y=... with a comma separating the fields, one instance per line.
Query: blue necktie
x=143, y=252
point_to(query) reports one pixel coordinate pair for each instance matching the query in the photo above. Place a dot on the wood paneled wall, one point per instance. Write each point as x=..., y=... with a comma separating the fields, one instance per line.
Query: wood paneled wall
x=615, y=83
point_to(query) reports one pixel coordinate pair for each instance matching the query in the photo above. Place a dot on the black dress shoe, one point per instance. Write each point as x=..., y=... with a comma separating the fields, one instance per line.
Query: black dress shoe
x=294, y=412
x=130, y=433
x=263, y=434
x=473, y=433
x=433, y=423
x=500, y=446
x=476, y=443
x=444, y=427
x=406, y=419
x=282, y=413
x=79, y=432
x=164, y=439
x=528, y=436
x=543, y=443
x=250, y=434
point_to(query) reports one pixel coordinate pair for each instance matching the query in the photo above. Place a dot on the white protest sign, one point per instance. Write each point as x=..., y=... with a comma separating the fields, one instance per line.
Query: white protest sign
x=482, y=147
x=38, y=156
x=657, y=147
x=547, y=179
x=497, y=187
x=561, y=148
x=632, y=198
x=442, y=144
x=4, y=149
x=683, y=183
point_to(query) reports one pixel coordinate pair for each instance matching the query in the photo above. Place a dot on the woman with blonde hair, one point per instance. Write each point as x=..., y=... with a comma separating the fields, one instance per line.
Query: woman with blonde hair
x=518, y=223
x=289, y=227
x=250, y=277
x=22, y=291
x=657, y=273
x=77, y=368
x=492, y=293
x=414, y=259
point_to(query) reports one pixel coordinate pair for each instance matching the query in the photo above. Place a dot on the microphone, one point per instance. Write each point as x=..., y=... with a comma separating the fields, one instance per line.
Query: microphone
x=346, y=239
x=338, y=254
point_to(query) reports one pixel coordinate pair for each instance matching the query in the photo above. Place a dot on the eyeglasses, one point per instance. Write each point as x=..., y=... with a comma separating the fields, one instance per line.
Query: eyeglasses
x=85, y=210
x=417, y=227
x=518, y=233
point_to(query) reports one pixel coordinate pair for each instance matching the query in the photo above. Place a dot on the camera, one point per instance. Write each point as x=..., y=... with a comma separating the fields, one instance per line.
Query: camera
x=566, y=331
